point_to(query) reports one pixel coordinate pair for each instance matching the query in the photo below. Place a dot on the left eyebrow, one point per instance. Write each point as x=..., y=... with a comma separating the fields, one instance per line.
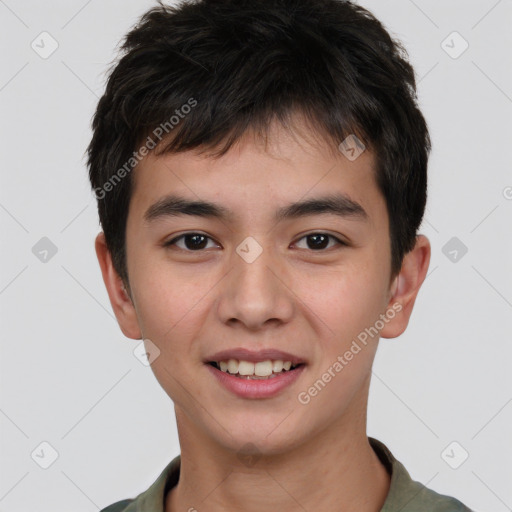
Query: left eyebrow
x=335, y=204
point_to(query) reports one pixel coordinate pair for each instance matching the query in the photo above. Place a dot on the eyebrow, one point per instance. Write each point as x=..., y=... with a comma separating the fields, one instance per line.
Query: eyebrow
x=335, y=204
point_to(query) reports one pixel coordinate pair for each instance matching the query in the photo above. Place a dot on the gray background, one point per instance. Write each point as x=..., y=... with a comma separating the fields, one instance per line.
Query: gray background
x=69, y=376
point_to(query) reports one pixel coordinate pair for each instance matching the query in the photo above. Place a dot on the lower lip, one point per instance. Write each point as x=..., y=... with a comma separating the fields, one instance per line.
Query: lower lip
x=256, y=388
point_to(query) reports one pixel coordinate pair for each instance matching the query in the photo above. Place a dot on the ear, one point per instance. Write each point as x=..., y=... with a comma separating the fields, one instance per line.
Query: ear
x=119, y=298
x=405, y=287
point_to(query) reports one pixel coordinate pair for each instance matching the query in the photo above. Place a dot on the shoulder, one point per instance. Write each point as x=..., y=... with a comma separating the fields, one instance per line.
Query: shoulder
x=152, y=498
x=408, y=495
x=119, y=506
x=413, y=496
x=431, y=500
x=428, y=499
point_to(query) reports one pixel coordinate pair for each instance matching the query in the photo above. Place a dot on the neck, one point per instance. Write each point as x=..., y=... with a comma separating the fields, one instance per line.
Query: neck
x=336, y=469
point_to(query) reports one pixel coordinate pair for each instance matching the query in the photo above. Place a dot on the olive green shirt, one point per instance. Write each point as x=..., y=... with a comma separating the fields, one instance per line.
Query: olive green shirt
x=405, y=494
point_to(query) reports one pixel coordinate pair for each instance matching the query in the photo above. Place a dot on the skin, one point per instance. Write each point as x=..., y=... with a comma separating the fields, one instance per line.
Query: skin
x=309, y=302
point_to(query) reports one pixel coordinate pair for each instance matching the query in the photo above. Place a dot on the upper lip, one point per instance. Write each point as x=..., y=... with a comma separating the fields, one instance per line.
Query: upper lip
x=243, y=354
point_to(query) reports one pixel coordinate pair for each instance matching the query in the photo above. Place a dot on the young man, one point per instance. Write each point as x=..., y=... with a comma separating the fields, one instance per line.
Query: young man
x=260, y=169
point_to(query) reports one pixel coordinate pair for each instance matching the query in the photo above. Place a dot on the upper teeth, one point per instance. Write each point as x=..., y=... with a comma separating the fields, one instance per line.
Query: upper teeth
x=260, y=369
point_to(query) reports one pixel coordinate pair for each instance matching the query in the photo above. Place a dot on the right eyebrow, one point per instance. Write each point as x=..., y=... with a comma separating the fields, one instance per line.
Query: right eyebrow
x=172, y=205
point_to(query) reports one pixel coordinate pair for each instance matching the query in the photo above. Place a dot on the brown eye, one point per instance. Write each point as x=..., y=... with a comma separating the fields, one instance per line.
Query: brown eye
x=319, y=241
x=190, y=242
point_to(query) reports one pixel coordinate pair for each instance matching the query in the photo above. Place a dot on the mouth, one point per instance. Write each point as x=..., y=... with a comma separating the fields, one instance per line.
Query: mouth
x=261, y=370
x=255, y=380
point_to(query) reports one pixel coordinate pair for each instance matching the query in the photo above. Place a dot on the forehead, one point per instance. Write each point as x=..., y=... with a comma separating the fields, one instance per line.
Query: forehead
x=257, y=176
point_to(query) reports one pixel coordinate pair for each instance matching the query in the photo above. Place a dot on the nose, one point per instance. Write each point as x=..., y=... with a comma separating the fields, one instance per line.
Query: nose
x=255, y=294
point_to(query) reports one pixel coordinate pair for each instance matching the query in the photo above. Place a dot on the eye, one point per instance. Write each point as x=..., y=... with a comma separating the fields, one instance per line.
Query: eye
x=196, y=242
x=192, y=242
x=319, y=241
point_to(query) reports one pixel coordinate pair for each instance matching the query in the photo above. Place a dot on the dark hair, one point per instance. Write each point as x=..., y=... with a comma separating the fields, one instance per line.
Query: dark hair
x=240, y=64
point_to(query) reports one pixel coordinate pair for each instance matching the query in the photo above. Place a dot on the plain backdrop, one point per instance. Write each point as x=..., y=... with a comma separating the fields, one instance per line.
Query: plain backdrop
x=69, y=379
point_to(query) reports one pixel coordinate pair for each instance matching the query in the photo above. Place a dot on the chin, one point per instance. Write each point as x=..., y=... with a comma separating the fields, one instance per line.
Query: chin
x=262, y=437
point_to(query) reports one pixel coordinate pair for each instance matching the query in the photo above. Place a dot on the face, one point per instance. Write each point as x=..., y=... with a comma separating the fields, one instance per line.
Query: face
x=306, y=283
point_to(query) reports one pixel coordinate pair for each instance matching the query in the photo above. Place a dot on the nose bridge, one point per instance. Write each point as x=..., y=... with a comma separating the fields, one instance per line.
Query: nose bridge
x=253, y=292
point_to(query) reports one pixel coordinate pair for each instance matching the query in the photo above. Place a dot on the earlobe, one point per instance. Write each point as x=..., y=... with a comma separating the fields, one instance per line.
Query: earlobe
x=406, y=286
x=120, y=298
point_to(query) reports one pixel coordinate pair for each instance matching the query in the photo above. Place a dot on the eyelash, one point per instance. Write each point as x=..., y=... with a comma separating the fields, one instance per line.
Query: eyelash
x=174, y=240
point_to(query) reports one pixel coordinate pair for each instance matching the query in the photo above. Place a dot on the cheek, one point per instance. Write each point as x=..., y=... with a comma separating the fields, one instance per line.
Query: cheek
x=171, y=308
x=346, y=301
x=169, y=300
